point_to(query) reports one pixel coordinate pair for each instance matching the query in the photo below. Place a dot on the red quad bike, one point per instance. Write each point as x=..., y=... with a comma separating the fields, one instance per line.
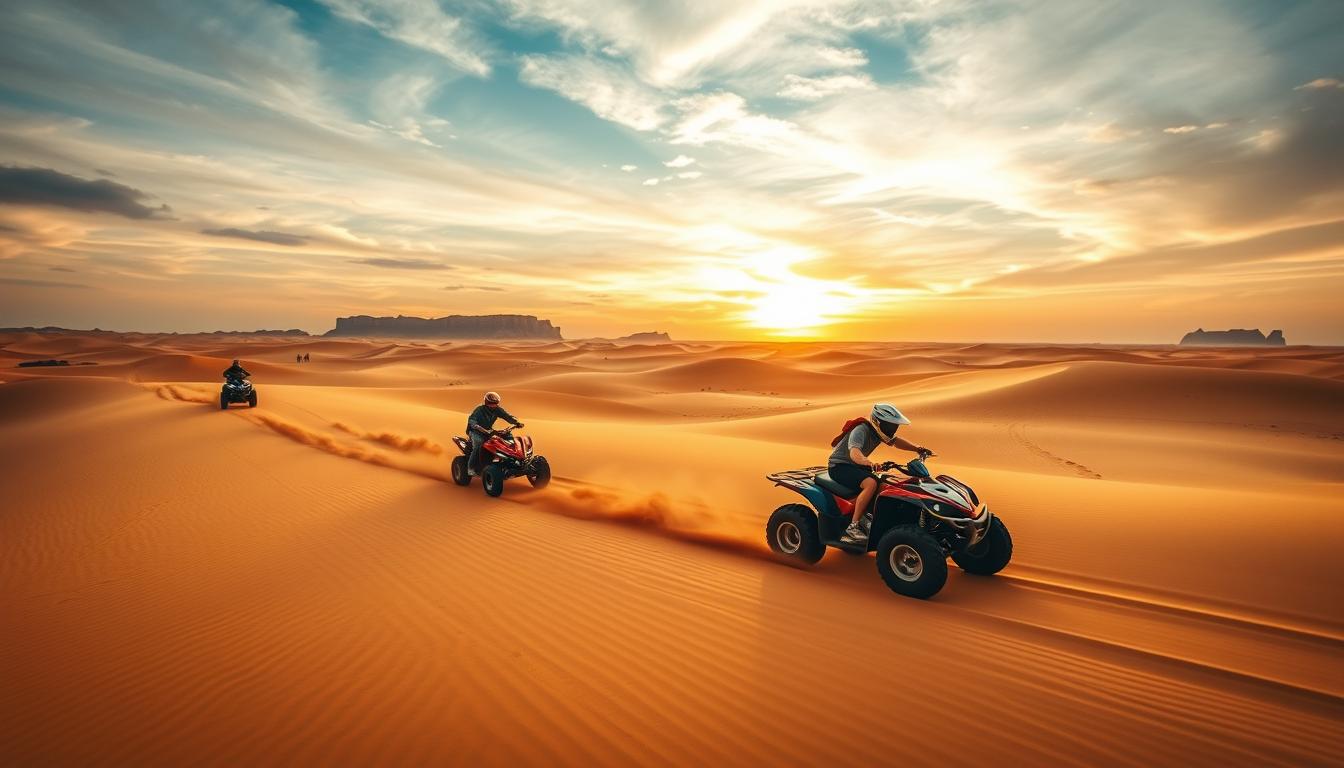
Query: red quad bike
x=918, y=522
x=503, y=455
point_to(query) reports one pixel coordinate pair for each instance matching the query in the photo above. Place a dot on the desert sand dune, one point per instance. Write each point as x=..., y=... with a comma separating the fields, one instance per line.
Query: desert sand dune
x=299, y=583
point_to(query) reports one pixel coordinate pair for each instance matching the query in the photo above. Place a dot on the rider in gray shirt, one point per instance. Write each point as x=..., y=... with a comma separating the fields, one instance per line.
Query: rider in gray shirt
x=850, y=466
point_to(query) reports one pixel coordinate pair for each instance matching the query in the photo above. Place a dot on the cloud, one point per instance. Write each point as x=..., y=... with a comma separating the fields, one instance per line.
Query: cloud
x=680, y=161
x=386, y=263
x=472, y=288
x=421, y=24
x=842, y=58
x=815, y=88
x=1179, y=129
x=671, y=47
x=610, y=91
x=723, y=117
x=1182, y=262
x=47, y=187
x=1321, y=84
x=261, y=236
x=689, y=175
x=39, y=283
x=400, y=102
x=629, y=168
x=651, y=182
x=61, y=269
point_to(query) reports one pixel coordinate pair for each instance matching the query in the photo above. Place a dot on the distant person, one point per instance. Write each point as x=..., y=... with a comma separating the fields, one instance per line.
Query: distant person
x=236, y=372
x=298, y=358
x=850, y=466
x=305, y=357
x=481, y=422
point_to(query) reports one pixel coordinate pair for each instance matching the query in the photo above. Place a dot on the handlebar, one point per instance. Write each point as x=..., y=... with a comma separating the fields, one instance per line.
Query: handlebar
x=888, y=465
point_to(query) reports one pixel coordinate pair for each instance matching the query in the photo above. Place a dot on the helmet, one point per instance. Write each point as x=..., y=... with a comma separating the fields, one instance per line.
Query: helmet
x=235, y=361
x=492, y=398
x=887, y=419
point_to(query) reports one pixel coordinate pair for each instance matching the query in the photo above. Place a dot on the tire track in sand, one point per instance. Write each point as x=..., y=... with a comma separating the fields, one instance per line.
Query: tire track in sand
x=1019, y=433
x=689, y=520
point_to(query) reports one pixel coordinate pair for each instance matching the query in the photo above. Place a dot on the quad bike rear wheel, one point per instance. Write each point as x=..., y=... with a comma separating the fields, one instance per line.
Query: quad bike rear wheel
x=990, y=554
x=792, y=534
x=223, y=402
x=911, y=562
x=459, y=471
x=492, y=479
x=541, y=472
x=252, y=400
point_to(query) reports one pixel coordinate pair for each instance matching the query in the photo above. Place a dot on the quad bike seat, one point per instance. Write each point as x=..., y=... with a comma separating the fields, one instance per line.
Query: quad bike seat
x=824, y=480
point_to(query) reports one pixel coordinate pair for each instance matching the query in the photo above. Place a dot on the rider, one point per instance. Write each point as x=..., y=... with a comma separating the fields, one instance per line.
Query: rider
x=481, y=422
x=236, y=372
x=851, y=467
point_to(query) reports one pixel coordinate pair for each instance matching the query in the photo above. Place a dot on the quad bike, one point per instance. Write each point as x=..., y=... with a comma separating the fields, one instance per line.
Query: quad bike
x=237, y=391
x=503, y=455
x=918, y=522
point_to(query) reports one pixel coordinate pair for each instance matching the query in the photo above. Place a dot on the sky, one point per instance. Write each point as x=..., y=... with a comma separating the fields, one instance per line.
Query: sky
x=960, y=171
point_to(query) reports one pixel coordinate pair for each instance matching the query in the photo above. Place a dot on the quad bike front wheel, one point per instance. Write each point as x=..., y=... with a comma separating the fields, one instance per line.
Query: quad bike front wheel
x=459, y=471
x=492, y=480
x=792, y=534
x=252, y=400
x=990, y=554
x=911, y=562
x=541, y=472
x=223, y=402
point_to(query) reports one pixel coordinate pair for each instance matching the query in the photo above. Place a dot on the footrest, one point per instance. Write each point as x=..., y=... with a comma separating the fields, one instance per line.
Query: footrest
x=854, y=549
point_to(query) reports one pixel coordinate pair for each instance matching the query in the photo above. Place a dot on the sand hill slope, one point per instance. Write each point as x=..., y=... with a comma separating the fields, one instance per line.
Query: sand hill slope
x=298, y=583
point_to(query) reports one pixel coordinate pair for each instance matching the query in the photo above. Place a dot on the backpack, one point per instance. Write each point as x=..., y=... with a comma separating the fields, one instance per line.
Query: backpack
x=849, y=427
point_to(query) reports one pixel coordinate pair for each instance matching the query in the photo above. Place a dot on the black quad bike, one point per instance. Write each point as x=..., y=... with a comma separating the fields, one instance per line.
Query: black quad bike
x=503, y=455
x=237, y=391
x=918, y=522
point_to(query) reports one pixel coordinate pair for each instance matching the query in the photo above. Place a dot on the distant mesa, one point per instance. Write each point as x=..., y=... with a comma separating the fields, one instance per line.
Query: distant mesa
x=51, y=329
x=450, y=327
x=290, y=332
x=647, y=337
x=1234, y=337
x=50, y=363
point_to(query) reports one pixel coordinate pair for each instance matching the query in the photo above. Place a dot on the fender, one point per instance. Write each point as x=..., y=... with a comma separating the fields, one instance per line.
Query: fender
x=818, y=498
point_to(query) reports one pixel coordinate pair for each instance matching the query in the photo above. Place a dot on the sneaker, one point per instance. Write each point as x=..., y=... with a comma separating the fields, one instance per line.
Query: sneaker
x=854, y=534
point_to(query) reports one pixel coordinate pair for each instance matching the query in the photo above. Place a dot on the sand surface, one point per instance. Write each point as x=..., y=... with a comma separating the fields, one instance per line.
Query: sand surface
x=299, y=583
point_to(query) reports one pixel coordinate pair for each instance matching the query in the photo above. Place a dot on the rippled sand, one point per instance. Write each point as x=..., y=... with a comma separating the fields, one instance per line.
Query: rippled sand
x=298, y=583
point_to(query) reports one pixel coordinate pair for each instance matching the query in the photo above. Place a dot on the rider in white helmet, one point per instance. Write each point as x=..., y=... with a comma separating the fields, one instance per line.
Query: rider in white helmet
x=850, y=466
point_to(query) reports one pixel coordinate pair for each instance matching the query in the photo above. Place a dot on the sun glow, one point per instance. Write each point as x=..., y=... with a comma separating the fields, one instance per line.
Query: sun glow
x=775, y=298
x=797, y=309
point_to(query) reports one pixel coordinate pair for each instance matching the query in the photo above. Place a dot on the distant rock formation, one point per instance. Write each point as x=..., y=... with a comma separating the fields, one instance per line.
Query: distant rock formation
x=1234, y=337
x=450, y=327
x=647, y=337
x=52, y=363
x=54, y=329
x=290, y=332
